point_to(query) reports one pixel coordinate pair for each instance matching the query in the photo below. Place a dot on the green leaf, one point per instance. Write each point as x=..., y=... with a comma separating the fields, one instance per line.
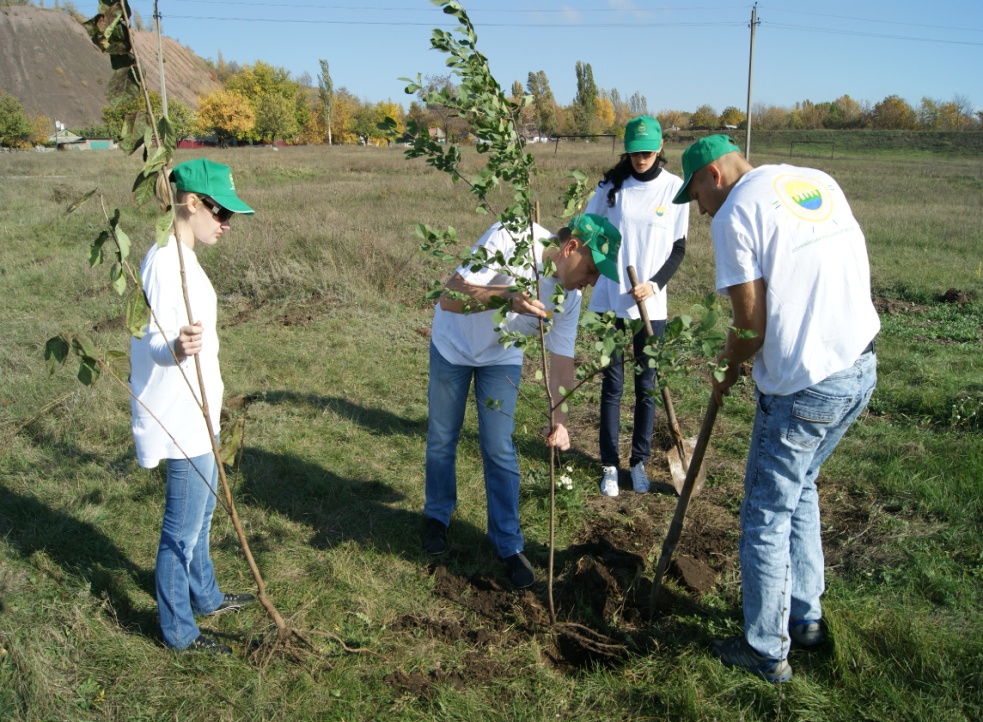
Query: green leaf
x=55, y=352
x=165, y=129
x=117, y=279
x=83, y=346
x=145, y=188
x=137, y=313
x=88, y=372
x=163, y=227
x=122, y=244
x=95, y=250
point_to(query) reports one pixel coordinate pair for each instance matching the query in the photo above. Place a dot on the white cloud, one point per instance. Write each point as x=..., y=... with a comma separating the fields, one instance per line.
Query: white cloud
x=627, y=6
x=572, y=16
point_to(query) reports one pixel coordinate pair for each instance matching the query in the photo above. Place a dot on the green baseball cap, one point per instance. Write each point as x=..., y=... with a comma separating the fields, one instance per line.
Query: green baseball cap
x=643, y=134
x=209, y=179
x=603, y=239
x=702, y=152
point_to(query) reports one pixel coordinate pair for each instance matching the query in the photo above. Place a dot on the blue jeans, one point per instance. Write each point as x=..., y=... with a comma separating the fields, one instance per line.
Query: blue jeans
x=184, y=574
x=447, y=396
x=612, y=388
x=781, y=549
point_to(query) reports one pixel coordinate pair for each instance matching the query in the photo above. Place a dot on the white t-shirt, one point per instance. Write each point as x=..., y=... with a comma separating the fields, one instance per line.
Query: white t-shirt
x=650, y=223
x=154, y=377
x=794, y=228
x=473, y=340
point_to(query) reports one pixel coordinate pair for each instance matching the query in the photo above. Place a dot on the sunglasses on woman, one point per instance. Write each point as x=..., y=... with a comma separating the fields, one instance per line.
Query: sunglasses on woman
x=222, y=215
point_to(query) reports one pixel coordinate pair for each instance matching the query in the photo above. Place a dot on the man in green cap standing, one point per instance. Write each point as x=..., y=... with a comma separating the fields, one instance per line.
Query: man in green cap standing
x=465, y=345
x=793, y=260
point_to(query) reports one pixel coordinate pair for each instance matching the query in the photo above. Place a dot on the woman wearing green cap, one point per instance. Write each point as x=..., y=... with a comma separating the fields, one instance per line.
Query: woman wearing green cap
x=636, y=197
x=167, y=421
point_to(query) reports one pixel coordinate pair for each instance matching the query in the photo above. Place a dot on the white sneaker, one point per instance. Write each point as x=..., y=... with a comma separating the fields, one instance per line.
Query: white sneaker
x=639, y=480
x=609, y=482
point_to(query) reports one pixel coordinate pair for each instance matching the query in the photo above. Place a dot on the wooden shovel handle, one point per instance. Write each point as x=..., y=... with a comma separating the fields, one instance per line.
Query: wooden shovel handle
x=677, y=434
x=676, y=525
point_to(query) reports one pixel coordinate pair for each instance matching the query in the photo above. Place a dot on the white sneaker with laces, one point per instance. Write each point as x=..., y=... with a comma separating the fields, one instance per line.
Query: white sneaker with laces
x=639, y=481
x=609, y=482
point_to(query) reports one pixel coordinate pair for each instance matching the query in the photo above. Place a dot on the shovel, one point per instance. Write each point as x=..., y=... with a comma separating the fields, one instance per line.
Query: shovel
x=682, y=451
x=676, y=526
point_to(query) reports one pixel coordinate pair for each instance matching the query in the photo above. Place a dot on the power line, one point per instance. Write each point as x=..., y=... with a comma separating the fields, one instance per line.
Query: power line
x=875, y=20
x=471, y=9
x=395, y=23
x=858, y=33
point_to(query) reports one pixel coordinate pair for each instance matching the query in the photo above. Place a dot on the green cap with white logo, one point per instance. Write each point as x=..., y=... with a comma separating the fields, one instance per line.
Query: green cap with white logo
x=210, y=179
x=603, y=239
x=643, y=134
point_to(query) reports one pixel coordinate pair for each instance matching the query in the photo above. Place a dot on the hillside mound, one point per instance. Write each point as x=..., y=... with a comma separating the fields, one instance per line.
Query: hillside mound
x=49, y=64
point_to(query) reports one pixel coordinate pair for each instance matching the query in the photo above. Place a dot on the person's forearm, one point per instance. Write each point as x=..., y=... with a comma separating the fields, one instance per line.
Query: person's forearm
x=738, y=350
x=479, y=298
x=669, y=268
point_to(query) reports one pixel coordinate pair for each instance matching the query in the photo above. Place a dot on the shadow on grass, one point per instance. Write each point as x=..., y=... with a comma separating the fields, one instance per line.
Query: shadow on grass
x=337, y=509
x=369, y=512
x=377, y=421
x=40, y=533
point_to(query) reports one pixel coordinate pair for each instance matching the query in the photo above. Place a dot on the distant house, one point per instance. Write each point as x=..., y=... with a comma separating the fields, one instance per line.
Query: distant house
x=64, y=137
x=67, y=140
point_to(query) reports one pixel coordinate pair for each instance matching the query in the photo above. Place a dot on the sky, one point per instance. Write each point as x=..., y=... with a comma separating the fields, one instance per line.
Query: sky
x=679, y=55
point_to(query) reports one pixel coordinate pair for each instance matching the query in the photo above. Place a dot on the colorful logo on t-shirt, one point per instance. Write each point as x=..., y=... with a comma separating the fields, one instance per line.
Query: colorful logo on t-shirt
x=804, y=197
x=660, y=211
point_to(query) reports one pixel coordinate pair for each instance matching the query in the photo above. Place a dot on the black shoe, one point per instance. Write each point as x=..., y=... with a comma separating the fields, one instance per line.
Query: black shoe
x=434, y=536
x=736, y=652
x=520, y=571
x=207, y=644
x=233, y=603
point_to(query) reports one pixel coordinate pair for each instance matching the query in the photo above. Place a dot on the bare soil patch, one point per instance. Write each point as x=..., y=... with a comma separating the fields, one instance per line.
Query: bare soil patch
x=603, y=583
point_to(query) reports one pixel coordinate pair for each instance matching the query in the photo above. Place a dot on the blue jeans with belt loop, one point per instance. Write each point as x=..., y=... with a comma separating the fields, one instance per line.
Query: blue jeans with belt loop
x=447, y=397
x=184, y=575
x=781, y=548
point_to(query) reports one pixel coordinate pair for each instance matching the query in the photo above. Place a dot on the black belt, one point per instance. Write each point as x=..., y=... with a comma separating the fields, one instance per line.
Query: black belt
x=869, y=348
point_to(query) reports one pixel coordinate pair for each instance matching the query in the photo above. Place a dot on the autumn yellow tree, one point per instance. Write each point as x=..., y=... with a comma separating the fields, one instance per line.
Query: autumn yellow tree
x=732, y=116
x=672, y=119
x=227, y=114
x=346, y=106
x=604, y=115
x=314, y=132
x=390, y=109
x=273, y=96
x=893, y=113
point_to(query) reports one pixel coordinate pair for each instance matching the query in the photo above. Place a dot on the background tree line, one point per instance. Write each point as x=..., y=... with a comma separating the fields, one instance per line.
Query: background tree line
x=261, y=103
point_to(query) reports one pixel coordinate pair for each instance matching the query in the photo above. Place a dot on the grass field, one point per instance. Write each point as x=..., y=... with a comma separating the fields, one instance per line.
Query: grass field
x=324, y=349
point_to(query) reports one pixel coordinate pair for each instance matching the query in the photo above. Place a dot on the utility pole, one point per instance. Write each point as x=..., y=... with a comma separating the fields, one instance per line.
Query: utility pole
x=160, y=64
x=750, y=74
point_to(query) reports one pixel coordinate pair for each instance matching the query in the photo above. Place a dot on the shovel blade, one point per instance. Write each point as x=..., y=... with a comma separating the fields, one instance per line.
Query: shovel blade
x=678, y=470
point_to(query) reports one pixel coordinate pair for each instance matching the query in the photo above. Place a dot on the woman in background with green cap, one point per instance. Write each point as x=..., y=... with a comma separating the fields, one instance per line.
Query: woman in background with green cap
x=636, y=197
x=167, y=421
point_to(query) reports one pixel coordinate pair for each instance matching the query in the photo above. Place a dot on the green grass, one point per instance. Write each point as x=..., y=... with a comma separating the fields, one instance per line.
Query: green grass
x=324, y=329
